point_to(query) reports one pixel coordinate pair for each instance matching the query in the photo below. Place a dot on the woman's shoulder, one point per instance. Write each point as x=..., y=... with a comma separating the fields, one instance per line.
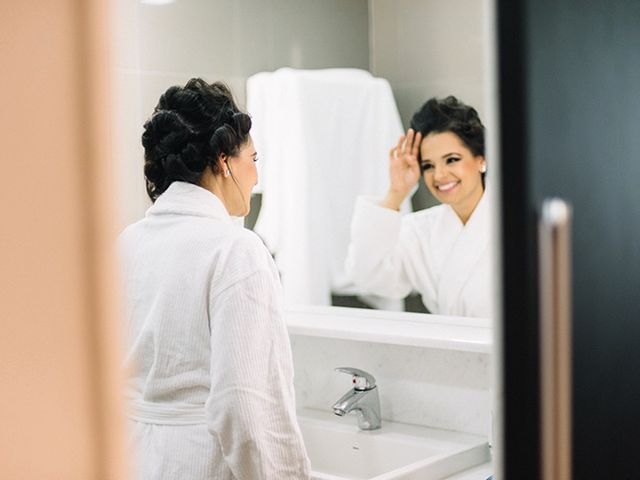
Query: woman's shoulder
x=246, y=246
x=130, y=236
x=242, y=256
x=248, y=241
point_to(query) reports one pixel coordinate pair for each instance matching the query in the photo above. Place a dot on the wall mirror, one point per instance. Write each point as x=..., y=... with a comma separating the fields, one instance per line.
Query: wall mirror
x=421, y=48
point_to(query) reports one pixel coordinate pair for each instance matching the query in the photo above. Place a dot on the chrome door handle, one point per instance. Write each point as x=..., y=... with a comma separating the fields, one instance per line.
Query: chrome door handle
x=555, y=338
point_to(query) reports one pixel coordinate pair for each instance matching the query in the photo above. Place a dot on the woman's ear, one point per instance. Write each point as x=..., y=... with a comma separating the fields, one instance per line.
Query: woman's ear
x=222, y=165
x=482, y=163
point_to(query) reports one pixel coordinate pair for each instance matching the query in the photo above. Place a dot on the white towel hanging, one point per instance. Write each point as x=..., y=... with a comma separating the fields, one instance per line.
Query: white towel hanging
x=323, y=138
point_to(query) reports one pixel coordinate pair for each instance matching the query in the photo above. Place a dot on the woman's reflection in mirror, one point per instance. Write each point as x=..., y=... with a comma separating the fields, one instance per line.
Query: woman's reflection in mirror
x=443, y=252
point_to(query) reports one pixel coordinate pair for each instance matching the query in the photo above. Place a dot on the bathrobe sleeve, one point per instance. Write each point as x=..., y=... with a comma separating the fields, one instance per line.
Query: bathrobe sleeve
x=380, y=250
x=251, y=406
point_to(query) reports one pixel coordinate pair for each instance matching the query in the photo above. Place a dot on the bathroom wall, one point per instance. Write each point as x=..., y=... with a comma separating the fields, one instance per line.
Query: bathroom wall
x=428, y=48
x=156, y=46
x=421, y=386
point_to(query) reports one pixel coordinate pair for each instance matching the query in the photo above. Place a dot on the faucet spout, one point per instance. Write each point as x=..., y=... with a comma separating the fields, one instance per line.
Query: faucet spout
x=366, y=404
x=347, y=402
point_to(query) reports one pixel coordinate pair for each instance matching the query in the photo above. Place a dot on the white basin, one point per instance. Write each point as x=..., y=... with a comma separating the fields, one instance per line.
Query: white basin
x=339, y=451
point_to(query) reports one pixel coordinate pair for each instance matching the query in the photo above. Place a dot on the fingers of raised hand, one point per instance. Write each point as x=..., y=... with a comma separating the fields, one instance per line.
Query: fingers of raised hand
x=416, y=144
x=407, y=148
x=409, y=141
x=411, y=144
x=400, y=147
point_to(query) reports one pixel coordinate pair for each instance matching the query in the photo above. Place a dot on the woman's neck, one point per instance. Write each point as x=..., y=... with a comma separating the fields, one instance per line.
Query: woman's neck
x=212, y=182
x=465, y=209
x=227, y=190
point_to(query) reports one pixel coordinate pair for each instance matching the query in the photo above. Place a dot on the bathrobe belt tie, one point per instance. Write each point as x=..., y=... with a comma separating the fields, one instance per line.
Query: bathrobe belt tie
x=166, y=414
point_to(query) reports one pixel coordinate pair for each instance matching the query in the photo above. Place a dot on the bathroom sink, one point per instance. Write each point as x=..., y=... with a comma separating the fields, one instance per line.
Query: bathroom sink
x=339, y=451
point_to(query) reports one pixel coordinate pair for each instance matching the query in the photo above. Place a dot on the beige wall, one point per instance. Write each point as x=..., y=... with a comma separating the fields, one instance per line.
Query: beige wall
x=157, y=46
x=59, y=403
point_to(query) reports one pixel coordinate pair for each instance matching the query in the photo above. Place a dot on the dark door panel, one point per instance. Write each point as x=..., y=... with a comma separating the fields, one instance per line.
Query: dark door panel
x=569, y=75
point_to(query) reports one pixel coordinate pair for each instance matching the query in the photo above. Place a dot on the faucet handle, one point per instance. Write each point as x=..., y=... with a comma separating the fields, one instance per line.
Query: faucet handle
x=361, y=380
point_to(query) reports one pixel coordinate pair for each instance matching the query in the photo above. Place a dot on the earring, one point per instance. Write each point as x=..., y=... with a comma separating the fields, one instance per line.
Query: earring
x=226, y=172
x=483, y=168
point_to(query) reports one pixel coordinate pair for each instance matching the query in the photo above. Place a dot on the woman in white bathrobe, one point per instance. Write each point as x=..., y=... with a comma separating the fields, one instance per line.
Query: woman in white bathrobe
x=210, y=385
x=443, y=252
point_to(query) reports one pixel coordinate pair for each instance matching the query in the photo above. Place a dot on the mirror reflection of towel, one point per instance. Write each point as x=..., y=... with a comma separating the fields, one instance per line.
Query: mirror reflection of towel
x=323, y=138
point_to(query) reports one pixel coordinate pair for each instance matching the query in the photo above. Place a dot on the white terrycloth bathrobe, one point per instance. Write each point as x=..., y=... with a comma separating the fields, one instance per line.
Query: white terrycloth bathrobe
x=211, y=378
x=431, y=251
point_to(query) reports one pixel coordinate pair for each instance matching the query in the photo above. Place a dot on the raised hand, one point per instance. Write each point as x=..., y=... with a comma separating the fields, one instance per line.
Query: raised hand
x=404, y=170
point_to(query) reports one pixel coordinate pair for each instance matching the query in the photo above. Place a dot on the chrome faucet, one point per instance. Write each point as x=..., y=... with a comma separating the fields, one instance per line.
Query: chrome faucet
x=362, y=398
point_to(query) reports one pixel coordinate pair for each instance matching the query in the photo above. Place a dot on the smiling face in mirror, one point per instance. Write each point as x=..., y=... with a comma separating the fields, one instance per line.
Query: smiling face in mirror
x=451, y=172
x=443, y=252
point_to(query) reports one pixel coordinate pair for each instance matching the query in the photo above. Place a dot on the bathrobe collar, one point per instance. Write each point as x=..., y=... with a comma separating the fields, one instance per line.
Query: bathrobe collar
x=182, y=198
x=478, y=215
x=471, y=244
